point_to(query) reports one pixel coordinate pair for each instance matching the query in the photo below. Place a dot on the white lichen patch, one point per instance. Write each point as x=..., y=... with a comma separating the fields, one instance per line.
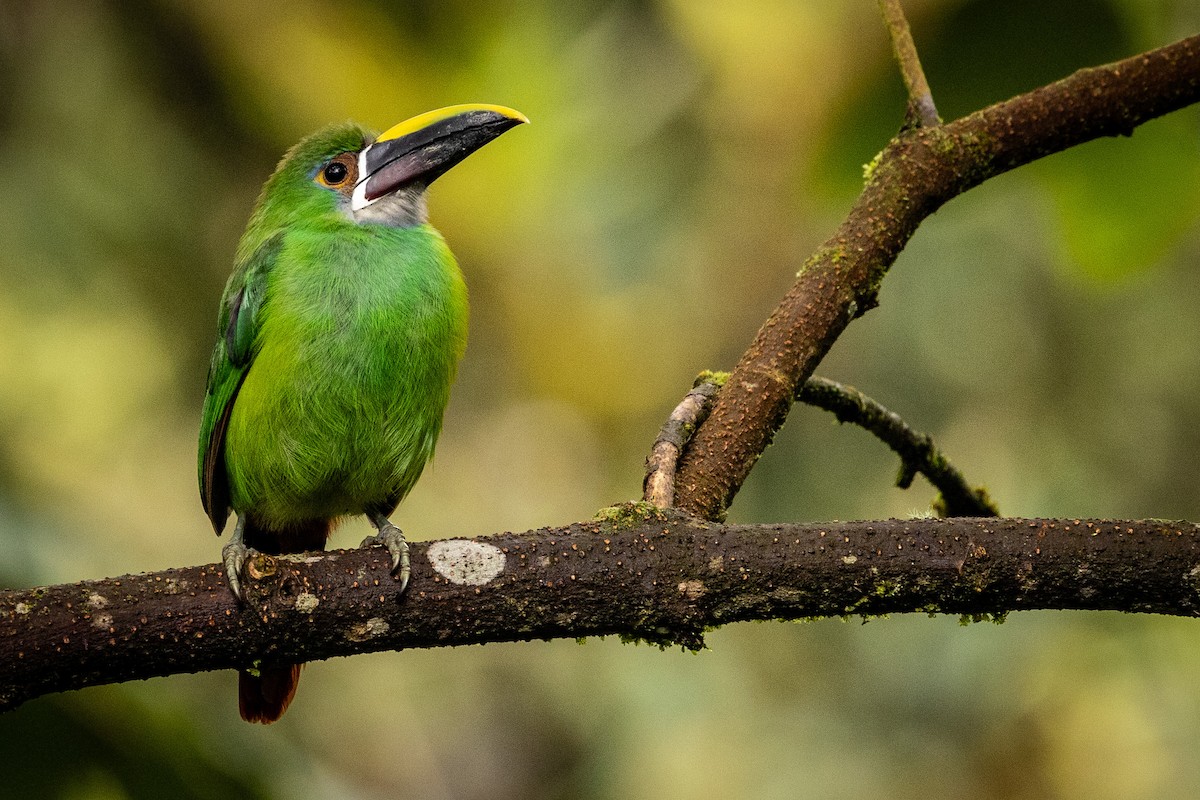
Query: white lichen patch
x=295, y=558
x=463, y=561
x=851, y=559
x=23, y=608
x=375, y=626
x=97, y=601
x=305, y=558
x=307, y=602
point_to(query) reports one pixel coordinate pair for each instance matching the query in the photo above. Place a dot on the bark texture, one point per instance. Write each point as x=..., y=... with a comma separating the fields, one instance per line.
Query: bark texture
x=915, y=174
x=653, y=575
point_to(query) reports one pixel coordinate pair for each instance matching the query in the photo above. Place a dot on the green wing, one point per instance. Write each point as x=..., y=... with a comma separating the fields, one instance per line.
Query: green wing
x=237, y=330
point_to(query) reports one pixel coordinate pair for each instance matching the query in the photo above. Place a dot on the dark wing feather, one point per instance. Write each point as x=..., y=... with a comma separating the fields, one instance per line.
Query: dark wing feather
x=237, y=332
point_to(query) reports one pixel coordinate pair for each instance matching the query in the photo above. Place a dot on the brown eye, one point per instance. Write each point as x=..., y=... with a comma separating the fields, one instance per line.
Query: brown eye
x=340, y=173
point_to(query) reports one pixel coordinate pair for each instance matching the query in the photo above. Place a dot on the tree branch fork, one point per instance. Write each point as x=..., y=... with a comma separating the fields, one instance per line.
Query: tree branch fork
x=913, y=176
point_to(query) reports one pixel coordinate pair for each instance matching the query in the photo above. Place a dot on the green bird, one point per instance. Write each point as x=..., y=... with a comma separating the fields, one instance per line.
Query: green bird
x=338, y=337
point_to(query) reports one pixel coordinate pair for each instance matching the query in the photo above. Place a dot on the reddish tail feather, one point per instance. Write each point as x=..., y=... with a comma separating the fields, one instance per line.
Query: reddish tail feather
x=263, y=697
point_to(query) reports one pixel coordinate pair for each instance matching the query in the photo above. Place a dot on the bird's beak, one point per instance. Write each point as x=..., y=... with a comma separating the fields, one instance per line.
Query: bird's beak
x=424, y=147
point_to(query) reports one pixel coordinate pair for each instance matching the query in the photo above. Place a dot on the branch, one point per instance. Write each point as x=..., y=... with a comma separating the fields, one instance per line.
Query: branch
x=916, y=450
x=658, y=487
x=661, y=577
x=915, y=174
x=921, y=110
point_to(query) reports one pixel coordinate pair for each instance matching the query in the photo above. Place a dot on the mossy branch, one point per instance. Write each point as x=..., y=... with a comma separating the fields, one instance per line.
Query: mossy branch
x=647, y=574
x=915, y=174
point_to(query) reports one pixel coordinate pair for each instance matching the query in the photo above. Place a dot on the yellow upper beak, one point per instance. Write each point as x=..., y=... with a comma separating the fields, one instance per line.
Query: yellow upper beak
x=420, y=121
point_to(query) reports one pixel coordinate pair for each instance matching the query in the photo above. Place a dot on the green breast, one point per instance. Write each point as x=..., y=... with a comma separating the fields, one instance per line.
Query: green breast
x=359, y=339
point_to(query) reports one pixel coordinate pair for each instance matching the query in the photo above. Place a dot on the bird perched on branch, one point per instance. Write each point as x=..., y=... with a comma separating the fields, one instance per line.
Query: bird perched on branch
x=338, y=337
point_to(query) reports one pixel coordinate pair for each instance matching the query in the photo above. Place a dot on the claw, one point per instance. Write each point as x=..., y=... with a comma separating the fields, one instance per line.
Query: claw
x=393, y=539
x=234, y=555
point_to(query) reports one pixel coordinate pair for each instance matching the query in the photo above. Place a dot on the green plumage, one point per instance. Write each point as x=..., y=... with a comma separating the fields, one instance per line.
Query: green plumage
x=338, y=337
x=338, y=342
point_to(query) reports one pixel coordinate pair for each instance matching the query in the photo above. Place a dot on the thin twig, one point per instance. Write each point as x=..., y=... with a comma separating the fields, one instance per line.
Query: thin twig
x=658, y=487
x=921, y=110
x=916, y=450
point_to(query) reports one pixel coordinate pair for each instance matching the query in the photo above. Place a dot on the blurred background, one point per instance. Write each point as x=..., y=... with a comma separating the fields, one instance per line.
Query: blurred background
x=685, y=157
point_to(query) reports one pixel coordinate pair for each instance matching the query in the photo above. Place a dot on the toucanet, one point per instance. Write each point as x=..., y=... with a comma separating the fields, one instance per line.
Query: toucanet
x=338, y=337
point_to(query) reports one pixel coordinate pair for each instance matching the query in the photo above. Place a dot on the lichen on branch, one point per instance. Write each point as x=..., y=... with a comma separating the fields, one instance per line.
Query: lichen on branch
x=644, y=574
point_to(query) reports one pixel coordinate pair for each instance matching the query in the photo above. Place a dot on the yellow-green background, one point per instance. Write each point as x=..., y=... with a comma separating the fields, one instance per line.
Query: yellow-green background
x=684, y=157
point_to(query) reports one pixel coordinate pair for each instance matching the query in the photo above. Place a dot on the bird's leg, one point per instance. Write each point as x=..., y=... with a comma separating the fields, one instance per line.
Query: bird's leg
x=390, y=537
x=234, y=555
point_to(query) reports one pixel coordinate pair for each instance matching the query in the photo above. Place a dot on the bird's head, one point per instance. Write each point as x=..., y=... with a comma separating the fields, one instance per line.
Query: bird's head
x=344, y=173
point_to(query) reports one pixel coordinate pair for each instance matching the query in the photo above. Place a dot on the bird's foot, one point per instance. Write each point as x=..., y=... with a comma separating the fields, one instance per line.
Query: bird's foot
x=393, y=539
x=234, y=555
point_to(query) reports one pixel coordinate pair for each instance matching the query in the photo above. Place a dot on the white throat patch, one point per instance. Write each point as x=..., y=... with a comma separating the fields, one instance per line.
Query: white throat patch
x=403, y=208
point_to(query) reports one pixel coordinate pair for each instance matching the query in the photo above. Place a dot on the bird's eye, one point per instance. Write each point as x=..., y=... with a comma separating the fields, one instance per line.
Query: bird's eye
x=340, y=173
x=335, y=173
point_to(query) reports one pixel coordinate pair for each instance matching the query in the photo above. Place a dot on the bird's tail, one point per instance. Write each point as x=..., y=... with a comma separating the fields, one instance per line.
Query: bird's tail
x=264, y=694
